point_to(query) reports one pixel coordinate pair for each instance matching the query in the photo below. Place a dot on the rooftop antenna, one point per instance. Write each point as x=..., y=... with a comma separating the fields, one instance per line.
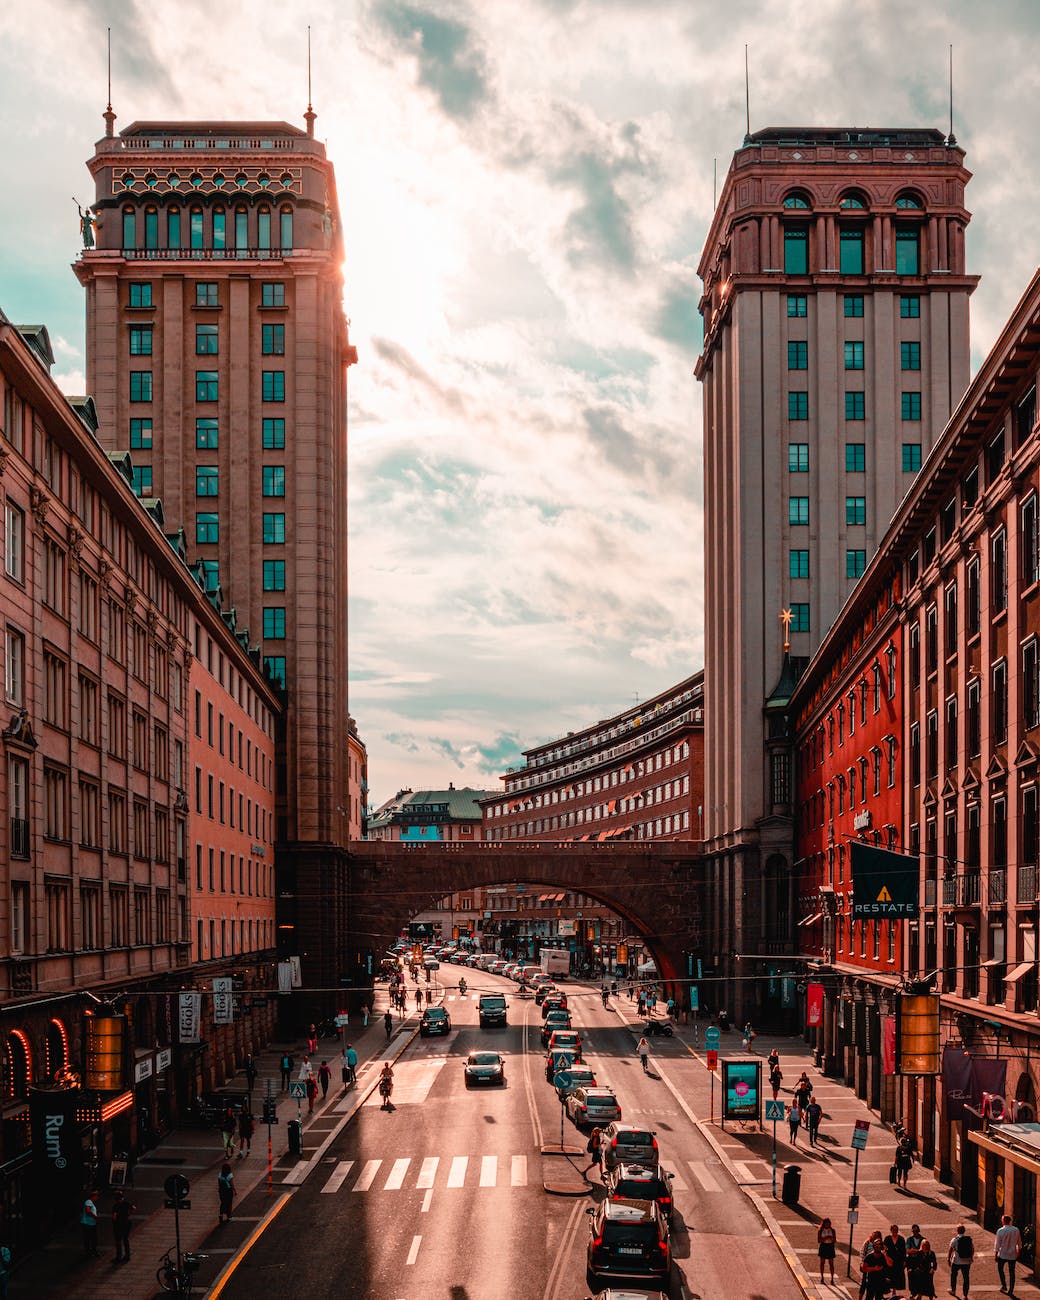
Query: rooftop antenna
x=108, y=115
x=951, y=138
x=747, y=100
x=310, y=114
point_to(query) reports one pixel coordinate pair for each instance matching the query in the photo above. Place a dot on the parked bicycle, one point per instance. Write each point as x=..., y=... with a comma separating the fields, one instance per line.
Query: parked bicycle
x=178, y=1280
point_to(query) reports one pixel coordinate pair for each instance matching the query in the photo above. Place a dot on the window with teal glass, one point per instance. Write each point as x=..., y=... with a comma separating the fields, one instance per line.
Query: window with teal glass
x=798, y=457
x=855, y=406
x=272, y=342
x=207, y=528
x=853, y=356
x=851, y=201
x=910, y=406
x=140, y=385
x=799, y=564
x=274, y=623
x=141, y=293
x=274, y=666
x=274, y=529
x=274, y=434
x=219, y=228
x=797, y=406
x=796, y=250
x=206, y=341
x=850, y=251
x=910, y=356
x=797, y=304
x=195, y=228
x=205, y=385
x=210, y=575
x=799, y=616
x=173, y=228
x=855, y=457
x=140, y=433
x=274, y=386
x=272, y=294
x=908, y=251
x=908, y=201
x=206, y=294
x=241, y=228
x=798, y=511
x=143, y=480
x=274, y=575
x=141, y=340
x=911, y=457
x=853, y=304
x=207, y=434
x=274, y=481
x=151, y=228
x=207, y=481
x=855, y=563
x=797, y=355
x=796, y=200
x=909, y=306
x=855, y=510
x=129, y=228
x=286, y=227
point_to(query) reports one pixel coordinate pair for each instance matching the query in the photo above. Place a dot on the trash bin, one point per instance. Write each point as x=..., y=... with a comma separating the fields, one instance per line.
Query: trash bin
x=295, y=1131
x=792, y=1184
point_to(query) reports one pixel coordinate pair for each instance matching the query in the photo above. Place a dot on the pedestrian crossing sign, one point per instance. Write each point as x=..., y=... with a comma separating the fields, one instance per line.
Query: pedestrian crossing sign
x=774, y=1110
x=297, y=1089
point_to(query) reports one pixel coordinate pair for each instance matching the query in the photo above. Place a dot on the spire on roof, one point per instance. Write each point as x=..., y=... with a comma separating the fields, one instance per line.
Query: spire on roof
x=310, y=114
x=108, y=115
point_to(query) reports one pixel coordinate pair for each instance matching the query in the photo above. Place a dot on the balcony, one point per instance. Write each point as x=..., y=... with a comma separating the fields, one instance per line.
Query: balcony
x=997, y=885
x=19, y=837
x=206, y=254
x=1027, y=883
x=961, y=891
x=930, y=891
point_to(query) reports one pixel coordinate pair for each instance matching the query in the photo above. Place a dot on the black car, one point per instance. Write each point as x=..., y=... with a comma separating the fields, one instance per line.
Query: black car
x=641, y=1183
x=435, y=1020
x=485, y=1067
x=628, y=1239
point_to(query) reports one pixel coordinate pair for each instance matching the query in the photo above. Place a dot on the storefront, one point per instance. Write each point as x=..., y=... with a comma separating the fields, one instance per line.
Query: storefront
x=1008, y=1164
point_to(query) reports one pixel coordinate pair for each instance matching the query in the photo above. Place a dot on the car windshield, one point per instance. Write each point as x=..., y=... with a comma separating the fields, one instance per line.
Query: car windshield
x=484, y=1058
x=641, y=1189
x=643, y=1232
x=436, y=1013
x=635, y=1139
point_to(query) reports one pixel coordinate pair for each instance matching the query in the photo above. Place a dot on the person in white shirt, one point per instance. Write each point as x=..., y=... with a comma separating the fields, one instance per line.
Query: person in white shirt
x=1006, y=1247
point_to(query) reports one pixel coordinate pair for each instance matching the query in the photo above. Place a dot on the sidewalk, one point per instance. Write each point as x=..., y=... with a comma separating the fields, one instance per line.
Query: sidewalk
x=59, y=1268
x=827, y=1172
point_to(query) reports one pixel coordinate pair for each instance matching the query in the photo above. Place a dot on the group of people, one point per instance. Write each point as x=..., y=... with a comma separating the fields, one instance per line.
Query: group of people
x=889, y=1264
x=805, y=1111
x=89, y=1218
x=241, y=1126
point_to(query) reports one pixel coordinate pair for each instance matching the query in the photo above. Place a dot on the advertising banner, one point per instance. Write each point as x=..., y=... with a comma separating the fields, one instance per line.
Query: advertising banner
x=814, y=1005
x=189, y=1017
x=956, y=1081
x=888, y=1044
x=223, y=1001
x=741, y=1092
x=285, y=977
x=57, y=1150
x=884, y=884
x=567, y=927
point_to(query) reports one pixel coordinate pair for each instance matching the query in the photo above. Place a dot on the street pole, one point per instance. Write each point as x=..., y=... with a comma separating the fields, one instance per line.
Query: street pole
x=712, y=1120
x=774, y=1157
x=177, y=1230
x=853, y=1201
x=269, y=1110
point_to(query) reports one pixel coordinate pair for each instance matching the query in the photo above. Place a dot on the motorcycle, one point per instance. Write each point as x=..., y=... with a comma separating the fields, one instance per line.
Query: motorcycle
x=463, y=986
x=660, y=1028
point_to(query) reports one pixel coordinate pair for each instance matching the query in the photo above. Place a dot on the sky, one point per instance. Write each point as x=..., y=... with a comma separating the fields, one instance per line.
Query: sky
x=525, y=188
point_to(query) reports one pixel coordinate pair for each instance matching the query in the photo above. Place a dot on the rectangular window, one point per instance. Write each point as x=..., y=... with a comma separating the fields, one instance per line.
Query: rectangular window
x=799, y=564
x=141, y=434
x=273, y=385
x=855, y=563
x=274, y=575
x=54, y=573
x=274, y=665
x=274, y=528
x=14, y=666
x=14, y=542
x=274, y=623
x=853, y=304
x=140, y=385
x=205, y=385
x=797, y=406
x=206, y=290
x=207, y=433
x=855, y=510
x=207, y=528
x=910, y=356
x=908, y=251
x=272, y=341
x=999, y=699
x=55, y=691
x=285, y=224
x=141, y=341
x=151, y=228
x=797, y=355
x=219, y=230
x=56, y=804
x=207, y=481
x=911, y=457
x=796, y=250
x=272, y=294
x=798, y=457
x=851, y=251
x=1030, y=684
x=141, y=293
x=1030, y=542
x=855, y=457
x=206, y=341
x=910, y=406
x=853, y=356
x=995, y=457
x=909, y=306
x=274, y=434
x=143, y=480
x=798, y=511
x=855, y=406
x=210, y=576
x=799, y=616
x=274, y=481
x=797, y=304
x=129, y=228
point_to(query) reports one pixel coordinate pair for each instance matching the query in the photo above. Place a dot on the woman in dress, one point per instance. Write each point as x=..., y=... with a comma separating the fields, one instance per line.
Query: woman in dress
x=921, y=1272
x=827, y=1239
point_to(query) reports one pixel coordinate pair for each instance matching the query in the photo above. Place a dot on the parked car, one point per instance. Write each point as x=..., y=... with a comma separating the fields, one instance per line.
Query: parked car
x=642, y=1183
x=628, y=1144
x=485, y=1068
x=435, y=1020
x=627, y=1239
x=588, y=1104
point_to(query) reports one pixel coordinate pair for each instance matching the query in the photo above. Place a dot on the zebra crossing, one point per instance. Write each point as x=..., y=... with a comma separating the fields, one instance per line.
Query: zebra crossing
x=418, y=1174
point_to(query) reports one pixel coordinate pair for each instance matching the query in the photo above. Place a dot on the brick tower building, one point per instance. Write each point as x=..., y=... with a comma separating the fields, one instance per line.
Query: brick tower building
x=217, y=354
x=835, y=314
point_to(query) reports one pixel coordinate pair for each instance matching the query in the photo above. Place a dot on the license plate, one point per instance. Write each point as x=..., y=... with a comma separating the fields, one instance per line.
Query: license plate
x=629, y=1250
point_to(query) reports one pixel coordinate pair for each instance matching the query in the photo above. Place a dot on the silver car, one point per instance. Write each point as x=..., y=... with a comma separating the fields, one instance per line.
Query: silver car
x=592, y=1105
x=629, y=1144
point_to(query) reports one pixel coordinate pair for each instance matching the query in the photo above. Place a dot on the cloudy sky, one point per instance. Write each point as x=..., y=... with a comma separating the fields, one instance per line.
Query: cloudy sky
x=525, y=188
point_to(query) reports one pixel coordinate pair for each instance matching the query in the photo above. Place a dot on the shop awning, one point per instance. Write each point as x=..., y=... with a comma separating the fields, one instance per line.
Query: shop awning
x=1019, y=1143
x=1017, y=972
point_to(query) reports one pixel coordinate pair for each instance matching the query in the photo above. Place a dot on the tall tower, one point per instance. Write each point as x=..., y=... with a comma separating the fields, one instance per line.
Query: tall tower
x=217, y=352
x=835, y=314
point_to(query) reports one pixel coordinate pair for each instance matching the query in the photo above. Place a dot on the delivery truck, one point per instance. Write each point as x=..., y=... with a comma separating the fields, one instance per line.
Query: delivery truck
x=555, y=962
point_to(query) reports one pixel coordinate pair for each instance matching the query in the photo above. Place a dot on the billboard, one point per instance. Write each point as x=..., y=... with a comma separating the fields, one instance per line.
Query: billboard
x=741, y=1089
x=57, y=1150
x=884, y=884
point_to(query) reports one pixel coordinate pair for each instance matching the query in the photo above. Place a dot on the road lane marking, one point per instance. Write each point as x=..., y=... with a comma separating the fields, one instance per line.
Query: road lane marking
x=518, y=1172
x=703, y=1177
x=425, y=1208
x=414, y=1251
x=428, y=1172
x=457, y=1172
x=397, y=1173
x=368, y=1176
x=745, y=1173
x=488, y=1171
x=335, y=1179
x=679, y=1183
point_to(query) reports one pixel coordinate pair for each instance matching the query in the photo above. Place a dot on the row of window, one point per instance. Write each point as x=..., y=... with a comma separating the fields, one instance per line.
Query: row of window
x=207, y=340
x=798, y=355
x=882, y=685
x=855, y=564
x=592, y=785
x=797, y=250
x=255, y=879
x=207, y=386
x=236, y=936
x=147, y=924
x=207, y=481
x=226, y=734
x=853, y=201
x=221, y=806
x=207, y=228
x=852, y=305
x=866, y=774
x=647, y=830
x=798, y=511
x=272, y=293
x=855, y=457
x=207, y=530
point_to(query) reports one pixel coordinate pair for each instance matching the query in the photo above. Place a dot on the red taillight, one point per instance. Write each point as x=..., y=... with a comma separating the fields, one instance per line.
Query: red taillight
x=597, y=1242
x=619, y=1112
x=665, y=1200
x=655, y=1144
x=613, y=1144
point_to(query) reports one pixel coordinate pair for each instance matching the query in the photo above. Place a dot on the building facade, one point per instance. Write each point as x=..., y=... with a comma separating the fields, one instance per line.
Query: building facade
x=430, y=816
x=835, y=314
x=357, y=782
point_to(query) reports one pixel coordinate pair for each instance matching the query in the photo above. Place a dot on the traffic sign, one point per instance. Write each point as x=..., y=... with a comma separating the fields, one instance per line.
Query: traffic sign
x=297, y=1089
x=177, y=1188
x=860, y=1134
x=774, y=1110
x=712, y=1036
x=562, y=1079
x=176, y=1205
x=342, y=1018
x=564, y=1061
x=713, y=1059
x=695, y=998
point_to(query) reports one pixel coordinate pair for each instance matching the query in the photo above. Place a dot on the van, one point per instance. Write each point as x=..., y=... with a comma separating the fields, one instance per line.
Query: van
x=492, y=1009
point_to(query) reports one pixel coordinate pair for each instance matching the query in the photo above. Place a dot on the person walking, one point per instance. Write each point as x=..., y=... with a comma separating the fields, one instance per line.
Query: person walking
x=418, y=999
x=324, y=1077
x=348, y=1069
x=641, y=1003
x=904, y=1159
x=121, y=1213
x=802, y=1091
x=245, y=1132
x=826, y=1245
x=312, y=1040
x=388, y=1024
x=306, y=1069
x=813, y=1115
x=365, y=1011
x=594, y=1146
x=921, y=1266
x=749, y=1037
x=643, y=1052
x=250, y=1074
x=776, y=1078
x=227, y=1131
x=895, y=1249
x=89, y=1222
x=874, y=1268
x=312, y=1093
x=794, y=1120
x=773, y=1060
x=286, y=1066
x=225, y=1192
x=960, y=1256
x=1007, y=1246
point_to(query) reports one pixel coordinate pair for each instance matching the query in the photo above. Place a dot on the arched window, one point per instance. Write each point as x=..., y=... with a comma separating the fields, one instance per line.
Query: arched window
x=196, y=227
x=797, y=199
x=173, y=228
x=151, y=228
x=219, y=230
x=19, y=1055
x=57, y=1046
x=852, y=201
x=908, y=200
x=129, y=228
x=286, y=227
x=263, y=228
x=241, y=229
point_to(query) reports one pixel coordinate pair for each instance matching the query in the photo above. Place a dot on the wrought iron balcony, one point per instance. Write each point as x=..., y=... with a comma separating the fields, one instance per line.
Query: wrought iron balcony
x=998, y=884
x=19, y=837
x=961, y=891
x=1027, y=883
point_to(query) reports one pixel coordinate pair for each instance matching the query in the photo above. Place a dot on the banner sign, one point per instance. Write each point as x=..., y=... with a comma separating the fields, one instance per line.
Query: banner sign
x=965, y=1078
x=57, y=1149
x=814, y=1006
x=189, y=1017
x=285, y=977
x=223, y=1000
x=884, y=884
x=888, y=1044
x=297, y=975
x=741, y=1093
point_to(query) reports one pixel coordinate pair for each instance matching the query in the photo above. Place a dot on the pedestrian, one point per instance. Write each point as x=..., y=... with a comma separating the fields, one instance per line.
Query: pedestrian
x=89, y=1221
x=5, y=1270
x=813, y=1115
x=1007, y=1246
x=874, y=1268
x=286, y=1066
x=913, y=1245
x=670, y=1007
x=631, y=992
x=904, y=1159
x=250, y=1074
x=418, y=999
x=594, y=1147
x=324, y=1076
x=227, y=1130
x=312, y=1039
x=749, y=1038
x=895, y=1249
x=921, y=1266
x=312, y=1093
x=121, y=1213
x=306, y=1069
x=776, y=1078
x=826, y=1244
x=794, y=1119
x=802, y=1090
x=960, y=1256
x=348, y=1070
x=225, y=1192
x=641, y=1002
x=365, y=1009
x=245, y=1132
x=773, y=1060
x=388, y=1024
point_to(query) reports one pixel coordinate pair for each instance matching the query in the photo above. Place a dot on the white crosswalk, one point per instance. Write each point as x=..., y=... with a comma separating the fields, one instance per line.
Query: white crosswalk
x=428, y=1172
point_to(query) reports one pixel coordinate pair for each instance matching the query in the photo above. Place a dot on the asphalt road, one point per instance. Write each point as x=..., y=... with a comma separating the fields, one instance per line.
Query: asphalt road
x=442, y=1198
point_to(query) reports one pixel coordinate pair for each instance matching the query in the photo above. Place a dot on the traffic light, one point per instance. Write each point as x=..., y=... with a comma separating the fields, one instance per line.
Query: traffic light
x=270, y=1115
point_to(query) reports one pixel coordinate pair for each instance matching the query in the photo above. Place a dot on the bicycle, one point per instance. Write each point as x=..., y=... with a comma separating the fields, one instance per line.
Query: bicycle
x=178, y=1280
